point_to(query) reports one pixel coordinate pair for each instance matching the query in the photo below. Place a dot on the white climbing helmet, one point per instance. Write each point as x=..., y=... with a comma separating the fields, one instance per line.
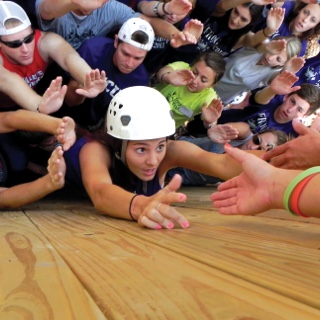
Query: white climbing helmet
x=139, y=113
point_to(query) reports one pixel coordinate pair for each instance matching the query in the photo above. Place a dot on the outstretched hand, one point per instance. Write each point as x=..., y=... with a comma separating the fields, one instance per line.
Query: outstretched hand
x=66, y=133
x=189, y=35
x=212, y=112
x=180, y=77
x=283, y=82
x=294, y=64
x=276, y=46
x=222, y=133
x=300, y=153
x=53, y=97
x=178, y=7
x=250, y=192
x=95, y=83
x=275, y=18
x=158, y=212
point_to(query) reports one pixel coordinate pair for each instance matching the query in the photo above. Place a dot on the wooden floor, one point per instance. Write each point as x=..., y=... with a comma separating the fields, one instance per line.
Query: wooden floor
x=62, y=260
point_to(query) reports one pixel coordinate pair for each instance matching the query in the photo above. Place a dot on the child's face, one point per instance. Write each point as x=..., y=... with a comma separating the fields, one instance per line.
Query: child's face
x=204, y=77
x=308, y=18
x=144, y=157
x=292, y=107
x=240, y=17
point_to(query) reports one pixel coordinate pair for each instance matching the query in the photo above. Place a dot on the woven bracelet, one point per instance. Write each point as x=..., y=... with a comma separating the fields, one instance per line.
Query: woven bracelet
x=301, y=176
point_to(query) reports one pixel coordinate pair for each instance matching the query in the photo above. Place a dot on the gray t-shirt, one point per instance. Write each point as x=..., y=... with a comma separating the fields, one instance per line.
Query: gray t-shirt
x=243, y=74
x=100, y=22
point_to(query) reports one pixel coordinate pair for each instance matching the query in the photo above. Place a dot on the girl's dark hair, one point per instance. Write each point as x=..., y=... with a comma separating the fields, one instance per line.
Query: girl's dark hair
x=299, y=5
x=232, y=38
x=213, y=60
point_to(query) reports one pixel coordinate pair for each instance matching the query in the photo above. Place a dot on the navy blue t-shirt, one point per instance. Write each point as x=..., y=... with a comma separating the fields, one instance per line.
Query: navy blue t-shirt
x=98, y=53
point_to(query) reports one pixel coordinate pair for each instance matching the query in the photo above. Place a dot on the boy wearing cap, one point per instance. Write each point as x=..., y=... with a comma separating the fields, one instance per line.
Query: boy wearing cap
x=122, y=59
x=25, y=54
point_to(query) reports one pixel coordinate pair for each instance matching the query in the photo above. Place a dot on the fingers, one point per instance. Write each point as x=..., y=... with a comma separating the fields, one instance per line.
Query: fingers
x=163, y=216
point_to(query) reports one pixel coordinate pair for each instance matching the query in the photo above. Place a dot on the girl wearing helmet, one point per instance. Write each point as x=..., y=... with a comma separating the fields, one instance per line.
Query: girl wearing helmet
x=123, y=172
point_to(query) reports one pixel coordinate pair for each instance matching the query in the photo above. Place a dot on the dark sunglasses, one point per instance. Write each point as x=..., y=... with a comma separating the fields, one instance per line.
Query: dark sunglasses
x=257, y=141
x=18, y=43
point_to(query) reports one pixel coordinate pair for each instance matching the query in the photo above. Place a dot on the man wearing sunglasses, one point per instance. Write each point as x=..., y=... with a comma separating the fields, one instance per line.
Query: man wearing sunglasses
x=25, y=54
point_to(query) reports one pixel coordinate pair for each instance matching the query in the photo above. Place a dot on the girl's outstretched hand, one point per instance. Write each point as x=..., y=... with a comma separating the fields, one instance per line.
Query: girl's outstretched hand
x=157, y=211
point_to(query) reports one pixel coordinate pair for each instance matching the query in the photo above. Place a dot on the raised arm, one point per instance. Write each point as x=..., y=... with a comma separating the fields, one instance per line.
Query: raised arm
x=175, y=77
x=262, y=187
x=54, y=47
x=225, y=5
x=63, y=128
x=26, y=193
x=156, y=8
x=189, y=35
x=281, y=85
x=274, y=20
x=154, y=212
x=51, y=9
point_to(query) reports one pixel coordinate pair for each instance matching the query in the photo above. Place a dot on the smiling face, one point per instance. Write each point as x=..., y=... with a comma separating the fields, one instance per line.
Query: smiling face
x=24, y=54
x=127, y=57
x=240, y=17
x=308, y=18
x=144, y=157
x=204, y=77
x=292, y=107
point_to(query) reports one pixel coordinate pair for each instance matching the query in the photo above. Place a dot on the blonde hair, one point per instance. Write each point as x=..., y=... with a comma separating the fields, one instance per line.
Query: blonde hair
x=293, y=47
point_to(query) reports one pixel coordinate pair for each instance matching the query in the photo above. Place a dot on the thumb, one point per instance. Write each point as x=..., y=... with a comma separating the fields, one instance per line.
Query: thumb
x=299, y=127
x=174, y=184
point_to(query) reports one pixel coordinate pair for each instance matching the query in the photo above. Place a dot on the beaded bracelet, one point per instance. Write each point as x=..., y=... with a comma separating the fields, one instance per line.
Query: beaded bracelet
x=293, y=184
x=295, y=195
x=155, y=9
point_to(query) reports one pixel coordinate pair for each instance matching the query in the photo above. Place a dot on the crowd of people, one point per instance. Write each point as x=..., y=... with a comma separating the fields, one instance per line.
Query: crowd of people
x=130, y=99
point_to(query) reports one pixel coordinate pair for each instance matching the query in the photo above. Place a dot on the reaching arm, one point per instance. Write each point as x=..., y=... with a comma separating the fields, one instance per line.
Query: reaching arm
x=175, y=77
x=26, y=193
x=262, y=187
x=54, y=47
x=281, y=85
x=51, y=9
x=179, y=7
x=153, y=212
x=274, y=20
x=33, y=121
x=225, y=5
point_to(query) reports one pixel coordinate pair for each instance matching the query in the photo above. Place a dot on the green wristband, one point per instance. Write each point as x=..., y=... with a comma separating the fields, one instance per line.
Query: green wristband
x=293, y=183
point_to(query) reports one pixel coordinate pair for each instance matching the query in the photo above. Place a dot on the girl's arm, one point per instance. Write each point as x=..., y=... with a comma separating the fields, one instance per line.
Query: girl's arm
x=63, y=128
x=26, y=193
x=153, y=212
x=175, y=77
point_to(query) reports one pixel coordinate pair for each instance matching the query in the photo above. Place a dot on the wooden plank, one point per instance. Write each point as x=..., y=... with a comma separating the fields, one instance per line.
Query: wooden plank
x=132, y=278
x=35, y=282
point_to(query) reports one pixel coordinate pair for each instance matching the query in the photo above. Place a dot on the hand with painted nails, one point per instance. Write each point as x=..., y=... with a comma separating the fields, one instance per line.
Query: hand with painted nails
x=156, y=212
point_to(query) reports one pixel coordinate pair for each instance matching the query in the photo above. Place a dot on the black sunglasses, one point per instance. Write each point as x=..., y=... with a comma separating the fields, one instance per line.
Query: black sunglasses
x=257, y=141
x=18, y=43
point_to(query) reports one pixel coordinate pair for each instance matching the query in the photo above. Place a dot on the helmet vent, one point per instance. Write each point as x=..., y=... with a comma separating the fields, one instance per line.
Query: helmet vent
x=125, y=120
x=120, y=106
